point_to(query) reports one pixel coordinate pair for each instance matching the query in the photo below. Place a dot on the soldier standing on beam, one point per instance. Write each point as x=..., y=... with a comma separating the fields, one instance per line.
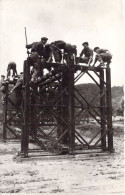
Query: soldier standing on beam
x=41, y=48
x=40, y=52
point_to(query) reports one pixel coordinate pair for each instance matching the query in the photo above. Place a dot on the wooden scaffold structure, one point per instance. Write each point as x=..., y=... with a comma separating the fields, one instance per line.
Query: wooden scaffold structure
x=53, y=108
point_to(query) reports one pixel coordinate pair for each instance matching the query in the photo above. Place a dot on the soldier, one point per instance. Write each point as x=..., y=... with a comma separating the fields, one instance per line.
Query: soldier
x=32, y=46
x=40, y=52
x=56, y=52
x=103, y=55
x=70, y=51
x=11, y=66
x=88, y=55
x=37, y=68
x=41, y=48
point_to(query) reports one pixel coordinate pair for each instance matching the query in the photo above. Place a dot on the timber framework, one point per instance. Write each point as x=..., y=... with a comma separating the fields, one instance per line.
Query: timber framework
x=53, y=109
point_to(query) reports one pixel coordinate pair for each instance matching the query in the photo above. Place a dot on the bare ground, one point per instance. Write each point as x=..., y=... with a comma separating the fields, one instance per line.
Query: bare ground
x=91, y=174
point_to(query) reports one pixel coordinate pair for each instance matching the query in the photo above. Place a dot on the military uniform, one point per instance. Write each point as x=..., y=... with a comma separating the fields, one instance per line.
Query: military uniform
x=32, y=46
x=57, y=54
x=19, y=84
x=42, y=50
x=39, y=49
x=36, y=62
x=88, y=54
x=69, y=50
x=103, y=55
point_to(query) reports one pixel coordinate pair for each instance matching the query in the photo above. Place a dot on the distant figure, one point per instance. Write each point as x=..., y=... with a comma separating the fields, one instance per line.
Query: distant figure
x=19, y=83
x=16, y=93
x=88, y=54
x=11, y=66
x=103, y=55
x=41, y=48
x=2, y=78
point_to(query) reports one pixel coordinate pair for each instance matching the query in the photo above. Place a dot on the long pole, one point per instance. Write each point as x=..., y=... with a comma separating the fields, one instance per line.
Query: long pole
x=26, y=40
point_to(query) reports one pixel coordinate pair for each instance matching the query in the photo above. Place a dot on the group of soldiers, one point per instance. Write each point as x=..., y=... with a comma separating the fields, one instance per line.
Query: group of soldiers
x=60, y=52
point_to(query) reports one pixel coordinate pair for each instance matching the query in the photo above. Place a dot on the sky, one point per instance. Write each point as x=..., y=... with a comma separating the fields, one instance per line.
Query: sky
x=100, y=22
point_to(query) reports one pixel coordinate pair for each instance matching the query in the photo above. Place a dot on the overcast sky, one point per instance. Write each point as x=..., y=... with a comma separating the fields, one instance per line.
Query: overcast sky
x=100, y=22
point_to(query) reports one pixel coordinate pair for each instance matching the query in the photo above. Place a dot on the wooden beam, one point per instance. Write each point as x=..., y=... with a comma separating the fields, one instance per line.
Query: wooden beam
x=26, y=97
x=109, y=110
x=102, y=110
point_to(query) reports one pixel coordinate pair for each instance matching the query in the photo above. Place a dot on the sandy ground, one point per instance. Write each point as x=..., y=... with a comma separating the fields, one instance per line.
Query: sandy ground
x=91, y=174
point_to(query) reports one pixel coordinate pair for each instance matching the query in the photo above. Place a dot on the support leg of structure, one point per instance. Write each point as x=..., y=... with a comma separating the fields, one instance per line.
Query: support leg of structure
x=25, y=129
x=64, y=109
x=5, y=104
x=71, y=110
x=109, y=110
x=32, y=114
x=102, y=110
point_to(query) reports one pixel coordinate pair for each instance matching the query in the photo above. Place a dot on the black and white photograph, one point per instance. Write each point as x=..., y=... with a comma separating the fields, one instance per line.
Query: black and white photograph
x=62, y=97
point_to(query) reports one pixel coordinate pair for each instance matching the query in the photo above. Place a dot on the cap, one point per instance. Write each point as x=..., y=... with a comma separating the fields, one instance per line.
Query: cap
x=85, y=43
x=44, y=38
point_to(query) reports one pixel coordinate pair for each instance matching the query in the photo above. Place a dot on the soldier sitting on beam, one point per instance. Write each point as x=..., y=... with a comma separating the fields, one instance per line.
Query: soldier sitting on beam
x=88, y=55
x=103, y=55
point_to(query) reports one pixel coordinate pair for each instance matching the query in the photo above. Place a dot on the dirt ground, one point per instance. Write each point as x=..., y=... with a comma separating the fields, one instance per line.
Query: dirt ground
x=91, y=174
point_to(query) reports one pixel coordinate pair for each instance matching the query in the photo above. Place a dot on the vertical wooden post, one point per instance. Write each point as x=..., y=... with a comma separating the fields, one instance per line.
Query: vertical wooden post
x=102, y=110
x=109, y=110
x=64, y=102
x=26, y=96
x=59, y=111
x=5, y=105
x=71, y=109
x=33, y=113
